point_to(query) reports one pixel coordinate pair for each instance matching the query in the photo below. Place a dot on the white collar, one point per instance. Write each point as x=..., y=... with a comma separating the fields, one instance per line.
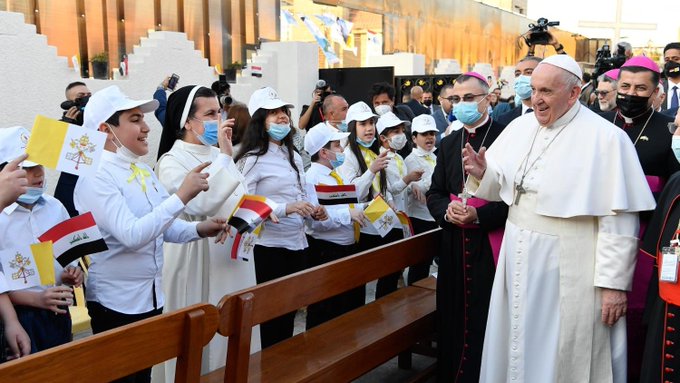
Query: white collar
x=566, y=117
x=322, y=169
x=474, y=128
x=13, y=207
x=421, y=152
x=193, y=148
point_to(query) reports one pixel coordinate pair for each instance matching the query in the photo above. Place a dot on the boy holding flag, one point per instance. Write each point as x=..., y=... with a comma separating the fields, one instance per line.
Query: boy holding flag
x=41, y=310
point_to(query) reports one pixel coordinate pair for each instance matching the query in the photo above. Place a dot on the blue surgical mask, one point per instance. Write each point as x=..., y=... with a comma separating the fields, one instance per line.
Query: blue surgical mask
x=365, y=144
x=467, y=112
x=209, y=136
x=342, y=126
x=278, y=131
x=675, y=145
x=339, y=160
x=31, y=196
x=523, y=87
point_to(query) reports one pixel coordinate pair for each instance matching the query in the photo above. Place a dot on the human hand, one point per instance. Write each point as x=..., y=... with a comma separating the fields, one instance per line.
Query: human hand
x=18, y=341
x=552, y=40
x=320, y=213
x=13, y=182
x=316, y=97
x=380, y=163
x=614, y=305
x=165, y=82
x=418, y=194
x=414, y=176
x=54, y=297
x=459, y=214
x=274, y=218
x=72, y=113
x=302, y=208
x=194, y=183
x=72, y=276
x=358, y=216
x=224, y=136
x=475, y=163
x=213, y=227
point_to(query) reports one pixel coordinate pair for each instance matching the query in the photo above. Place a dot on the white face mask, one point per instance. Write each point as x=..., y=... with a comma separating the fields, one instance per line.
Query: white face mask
x=122, y=152
x=398, y=141
x=382, y=109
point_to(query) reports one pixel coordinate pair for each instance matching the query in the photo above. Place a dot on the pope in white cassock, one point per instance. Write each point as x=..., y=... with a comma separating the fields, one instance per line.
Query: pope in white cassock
x=574, y=186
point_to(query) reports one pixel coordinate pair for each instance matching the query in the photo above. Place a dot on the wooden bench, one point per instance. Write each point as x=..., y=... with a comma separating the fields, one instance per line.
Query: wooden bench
x=122, y=351
x=341, y=349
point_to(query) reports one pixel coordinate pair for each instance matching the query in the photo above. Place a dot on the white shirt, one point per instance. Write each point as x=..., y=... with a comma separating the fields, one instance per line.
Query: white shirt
x=338, y=228
x=418, y=160
x=395, y=172
x=134, y=225
x=271, y=175
x=669, y=94
x=20, y=227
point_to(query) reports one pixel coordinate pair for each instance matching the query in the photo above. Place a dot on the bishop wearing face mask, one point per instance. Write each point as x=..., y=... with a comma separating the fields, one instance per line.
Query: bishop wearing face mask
x=466, y=262
x=637, y=86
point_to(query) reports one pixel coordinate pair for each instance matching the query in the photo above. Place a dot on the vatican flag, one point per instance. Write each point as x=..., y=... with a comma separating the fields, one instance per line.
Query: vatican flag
x=381, y=216
x=28, y=266
x=65, y=147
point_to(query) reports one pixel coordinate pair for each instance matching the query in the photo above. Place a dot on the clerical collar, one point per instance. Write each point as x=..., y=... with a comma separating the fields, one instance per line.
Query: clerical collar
x=637, y=119
x=474, y=128
x=567, y=117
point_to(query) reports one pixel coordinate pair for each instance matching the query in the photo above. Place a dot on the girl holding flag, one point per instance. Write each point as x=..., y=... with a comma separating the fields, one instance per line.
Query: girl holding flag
x=200, y=271
x=273, y=169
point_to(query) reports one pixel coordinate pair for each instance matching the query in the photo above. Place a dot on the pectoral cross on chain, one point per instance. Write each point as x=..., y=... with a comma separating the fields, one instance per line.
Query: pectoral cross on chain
x=519, y=191
x=464, y=196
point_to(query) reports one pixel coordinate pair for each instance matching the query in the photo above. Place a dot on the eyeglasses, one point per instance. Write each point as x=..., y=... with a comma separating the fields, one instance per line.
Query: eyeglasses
x=602, y=93
x=466, y=98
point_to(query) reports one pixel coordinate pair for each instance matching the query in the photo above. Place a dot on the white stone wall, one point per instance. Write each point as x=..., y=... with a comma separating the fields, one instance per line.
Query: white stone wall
x=33, y=77
x=405, y=64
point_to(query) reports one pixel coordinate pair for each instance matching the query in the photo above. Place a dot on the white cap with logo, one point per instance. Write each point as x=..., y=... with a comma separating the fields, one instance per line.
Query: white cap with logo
x=104, y=103
x=321, y=134
x=359, y=111
x=389, y=120
x=424, y=123
x=13, y=143
x=266, y=98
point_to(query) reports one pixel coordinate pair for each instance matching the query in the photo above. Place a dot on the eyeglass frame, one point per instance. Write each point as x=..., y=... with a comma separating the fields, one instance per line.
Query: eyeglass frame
x=465, y=98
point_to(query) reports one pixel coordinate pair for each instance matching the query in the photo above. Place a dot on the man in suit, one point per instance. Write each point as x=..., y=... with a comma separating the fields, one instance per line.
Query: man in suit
x=441, y=115
x=428, y=102
x=523, y=70
x=415, y=102
x=671, y=85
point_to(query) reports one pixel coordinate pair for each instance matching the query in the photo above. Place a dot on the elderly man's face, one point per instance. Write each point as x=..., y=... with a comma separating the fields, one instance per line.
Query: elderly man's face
x=606, y=96
x=551, y=97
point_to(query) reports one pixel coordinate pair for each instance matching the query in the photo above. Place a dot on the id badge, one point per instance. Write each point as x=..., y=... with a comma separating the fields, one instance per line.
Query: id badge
x=669, y=265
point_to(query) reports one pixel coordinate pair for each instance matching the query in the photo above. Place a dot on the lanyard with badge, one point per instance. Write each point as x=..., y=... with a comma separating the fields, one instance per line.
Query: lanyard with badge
x=669, y=260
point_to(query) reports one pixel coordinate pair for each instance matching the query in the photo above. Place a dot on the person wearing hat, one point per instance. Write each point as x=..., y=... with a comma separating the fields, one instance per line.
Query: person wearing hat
x=135, y=215
x=272, y=168
x=41, y=310
x=424, y=128
x=199, y=271
x=558, y=302
x=466, y=260
x=335, y=237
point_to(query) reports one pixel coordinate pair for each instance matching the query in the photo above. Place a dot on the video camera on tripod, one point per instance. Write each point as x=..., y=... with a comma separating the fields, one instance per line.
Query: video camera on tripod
x=604, y=61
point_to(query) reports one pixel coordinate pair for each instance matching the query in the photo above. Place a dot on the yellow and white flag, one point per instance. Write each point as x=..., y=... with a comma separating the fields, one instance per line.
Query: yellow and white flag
x=381, y=216
x=28, y=266
x=65, y=147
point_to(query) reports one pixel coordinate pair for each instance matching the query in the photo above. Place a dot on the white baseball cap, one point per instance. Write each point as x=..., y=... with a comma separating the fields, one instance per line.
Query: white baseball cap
x=359, y=111
x=389, y=120
x=424, y=123
x=266, y=98
x=13, y=143
x=104, y=103
x=319, y=135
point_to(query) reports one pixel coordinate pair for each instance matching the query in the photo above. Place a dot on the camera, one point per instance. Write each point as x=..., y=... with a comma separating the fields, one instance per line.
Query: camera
x=604, y=61
x=538, y=33
x=79, y=102
x=322, y=86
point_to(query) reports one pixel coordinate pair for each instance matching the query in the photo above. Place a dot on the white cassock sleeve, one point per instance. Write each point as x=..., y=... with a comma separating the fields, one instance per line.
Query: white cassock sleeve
x=616, y=251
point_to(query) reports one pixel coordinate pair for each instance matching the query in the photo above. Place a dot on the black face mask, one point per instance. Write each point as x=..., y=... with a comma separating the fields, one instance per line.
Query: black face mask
x=632, y=106
x=427, y=103
x=672, y=69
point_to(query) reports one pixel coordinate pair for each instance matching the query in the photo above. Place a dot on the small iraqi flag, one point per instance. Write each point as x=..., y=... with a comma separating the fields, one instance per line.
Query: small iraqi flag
x=75, y=238
x=336, y=194
x=250, y=212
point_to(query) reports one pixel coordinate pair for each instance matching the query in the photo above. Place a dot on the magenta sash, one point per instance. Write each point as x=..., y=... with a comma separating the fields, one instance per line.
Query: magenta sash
x=495, y=236
x=655, y=183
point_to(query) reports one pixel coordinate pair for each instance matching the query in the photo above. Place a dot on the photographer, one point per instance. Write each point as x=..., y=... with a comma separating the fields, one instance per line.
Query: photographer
x=223, y=90
x=539, y=35
x=77, y=96
x=312, y=114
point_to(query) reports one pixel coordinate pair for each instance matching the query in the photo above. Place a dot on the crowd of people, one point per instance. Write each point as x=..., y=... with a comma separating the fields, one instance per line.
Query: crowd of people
x=540, y=275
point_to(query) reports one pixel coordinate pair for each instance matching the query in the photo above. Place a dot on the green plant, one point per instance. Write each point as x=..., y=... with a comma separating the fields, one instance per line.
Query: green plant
x=102, y=57
x=235, y=65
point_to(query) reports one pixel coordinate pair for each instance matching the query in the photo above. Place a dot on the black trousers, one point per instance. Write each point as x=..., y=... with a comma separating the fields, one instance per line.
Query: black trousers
x=422, y=270
x=272, y=263
x=321, y=252
x=386, y=284
x=106, y=319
